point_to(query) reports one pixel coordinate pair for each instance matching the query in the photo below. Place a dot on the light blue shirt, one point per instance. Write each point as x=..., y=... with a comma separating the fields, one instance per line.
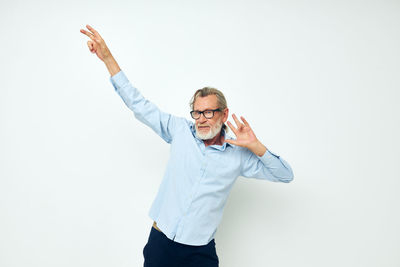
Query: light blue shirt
x=190, y=200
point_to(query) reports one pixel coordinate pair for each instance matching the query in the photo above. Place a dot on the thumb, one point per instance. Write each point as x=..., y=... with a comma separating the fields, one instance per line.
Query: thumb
x=231, y=141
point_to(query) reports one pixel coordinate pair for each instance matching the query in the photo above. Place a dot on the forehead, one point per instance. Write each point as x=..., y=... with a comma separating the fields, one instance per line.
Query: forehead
x=207, y=102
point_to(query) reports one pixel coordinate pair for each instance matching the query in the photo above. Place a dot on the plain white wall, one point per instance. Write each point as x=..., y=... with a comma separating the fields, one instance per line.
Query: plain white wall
x=317, y=80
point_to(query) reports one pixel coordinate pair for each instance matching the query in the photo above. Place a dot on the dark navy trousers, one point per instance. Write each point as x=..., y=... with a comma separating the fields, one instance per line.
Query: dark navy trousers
x=160, y=251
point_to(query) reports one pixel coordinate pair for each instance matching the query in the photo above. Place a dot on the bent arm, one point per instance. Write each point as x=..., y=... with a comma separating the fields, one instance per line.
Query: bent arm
x=268, y=166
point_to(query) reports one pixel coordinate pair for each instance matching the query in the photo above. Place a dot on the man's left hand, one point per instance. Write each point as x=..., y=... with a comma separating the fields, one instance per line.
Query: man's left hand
x=245, y=137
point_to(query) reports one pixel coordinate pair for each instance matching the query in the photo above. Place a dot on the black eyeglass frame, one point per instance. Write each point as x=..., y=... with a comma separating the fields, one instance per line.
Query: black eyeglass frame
x=202, y=112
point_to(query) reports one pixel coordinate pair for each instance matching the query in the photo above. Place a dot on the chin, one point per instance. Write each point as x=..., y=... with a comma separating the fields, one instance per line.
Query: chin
x=210, y=134
x=206, y=136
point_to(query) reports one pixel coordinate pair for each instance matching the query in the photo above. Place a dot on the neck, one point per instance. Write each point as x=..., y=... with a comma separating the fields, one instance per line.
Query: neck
x=217, y=140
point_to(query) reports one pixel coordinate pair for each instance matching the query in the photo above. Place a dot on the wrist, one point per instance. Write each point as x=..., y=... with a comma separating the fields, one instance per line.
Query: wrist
x=111, y=65
x=257, y=148
x=108, y=59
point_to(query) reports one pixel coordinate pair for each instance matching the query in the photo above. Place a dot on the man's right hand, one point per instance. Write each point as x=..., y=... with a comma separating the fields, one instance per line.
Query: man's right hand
x=98, y=46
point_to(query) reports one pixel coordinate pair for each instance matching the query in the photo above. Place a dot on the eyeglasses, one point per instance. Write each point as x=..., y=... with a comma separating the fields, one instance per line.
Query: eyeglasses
x=208, y=114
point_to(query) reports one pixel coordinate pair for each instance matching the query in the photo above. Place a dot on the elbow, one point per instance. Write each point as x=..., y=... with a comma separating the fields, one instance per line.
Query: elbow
x=288, y=177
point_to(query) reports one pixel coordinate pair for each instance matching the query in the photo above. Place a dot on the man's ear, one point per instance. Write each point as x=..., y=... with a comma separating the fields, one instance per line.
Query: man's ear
x=226, y=114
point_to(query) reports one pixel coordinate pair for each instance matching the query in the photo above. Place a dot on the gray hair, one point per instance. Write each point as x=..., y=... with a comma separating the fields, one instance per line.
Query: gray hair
x=206, y=91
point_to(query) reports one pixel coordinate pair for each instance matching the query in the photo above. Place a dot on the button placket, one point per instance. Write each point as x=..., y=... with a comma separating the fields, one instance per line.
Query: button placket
x=193, y=191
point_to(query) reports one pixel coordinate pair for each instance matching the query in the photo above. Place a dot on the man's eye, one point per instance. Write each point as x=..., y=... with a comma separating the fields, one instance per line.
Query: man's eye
x=208, y=112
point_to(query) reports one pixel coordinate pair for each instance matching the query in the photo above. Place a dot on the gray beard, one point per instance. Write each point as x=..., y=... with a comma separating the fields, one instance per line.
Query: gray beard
x=216, y=129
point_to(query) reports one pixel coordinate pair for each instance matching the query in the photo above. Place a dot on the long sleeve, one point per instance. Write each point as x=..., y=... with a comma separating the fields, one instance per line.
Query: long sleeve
x=162, y=123
x=270, y=167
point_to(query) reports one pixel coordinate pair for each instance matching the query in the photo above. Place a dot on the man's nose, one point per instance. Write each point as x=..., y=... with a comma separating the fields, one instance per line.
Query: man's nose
x=202, y=118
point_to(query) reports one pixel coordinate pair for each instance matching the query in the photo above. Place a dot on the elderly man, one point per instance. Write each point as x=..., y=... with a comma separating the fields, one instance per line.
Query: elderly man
x=203, y=166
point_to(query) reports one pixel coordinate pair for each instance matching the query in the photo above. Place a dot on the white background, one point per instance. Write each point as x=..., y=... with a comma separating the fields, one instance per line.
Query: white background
x=317, y=80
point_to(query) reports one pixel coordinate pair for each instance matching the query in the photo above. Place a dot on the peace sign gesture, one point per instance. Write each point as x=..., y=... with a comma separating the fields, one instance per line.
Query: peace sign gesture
x=245, y=136
x=96, y=44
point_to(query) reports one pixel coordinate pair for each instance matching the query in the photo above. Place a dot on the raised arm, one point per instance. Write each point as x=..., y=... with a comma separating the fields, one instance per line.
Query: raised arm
x=97, y=46
x=164, y=124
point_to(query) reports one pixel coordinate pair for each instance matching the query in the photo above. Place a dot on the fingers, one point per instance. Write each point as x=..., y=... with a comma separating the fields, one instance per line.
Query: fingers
x=238, y=123
x=245, y=122
x=90, y=28
x=232, y=127
x=91, y=36
x=95, y=33
x=236, y=120
x=90, y=45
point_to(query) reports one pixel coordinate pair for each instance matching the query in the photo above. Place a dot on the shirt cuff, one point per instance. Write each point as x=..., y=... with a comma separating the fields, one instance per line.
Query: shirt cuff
x=119, y=80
